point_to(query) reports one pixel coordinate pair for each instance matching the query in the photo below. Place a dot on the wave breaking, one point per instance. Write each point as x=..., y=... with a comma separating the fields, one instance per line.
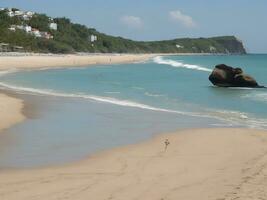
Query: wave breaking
x=232, y=118
x=173, y=63
x=110, y=100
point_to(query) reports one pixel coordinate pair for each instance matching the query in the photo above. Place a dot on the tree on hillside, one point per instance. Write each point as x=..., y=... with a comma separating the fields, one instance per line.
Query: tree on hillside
x=40, y=21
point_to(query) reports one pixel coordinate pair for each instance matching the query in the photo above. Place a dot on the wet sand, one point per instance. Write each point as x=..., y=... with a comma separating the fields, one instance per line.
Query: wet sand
x=199, y=164
x=10, y=111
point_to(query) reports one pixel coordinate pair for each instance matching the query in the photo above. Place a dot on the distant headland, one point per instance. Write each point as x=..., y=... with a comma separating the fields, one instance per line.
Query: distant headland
x=27, y=31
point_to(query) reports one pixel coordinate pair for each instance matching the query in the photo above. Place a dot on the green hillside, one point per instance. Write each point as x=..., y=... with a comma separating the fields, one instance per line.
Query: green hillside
x=70, y=37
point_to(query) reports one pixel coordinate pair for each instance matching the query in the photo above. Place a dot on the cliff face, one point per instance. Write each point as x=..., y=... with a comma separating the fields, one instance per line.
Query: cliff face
x=231, y=44
x=223, y=45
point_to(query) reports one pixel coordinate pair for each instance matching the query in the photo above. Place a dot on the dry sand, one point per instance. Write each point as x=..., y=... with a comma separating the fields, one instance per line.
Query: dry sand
x=40, y=61
x=200, y=164
x=10, y=111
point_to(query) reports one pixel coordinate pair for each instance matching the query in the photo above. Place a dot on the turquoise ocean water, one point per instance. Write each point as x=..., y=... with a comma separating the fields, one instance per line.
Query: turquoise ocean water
x=94, y=108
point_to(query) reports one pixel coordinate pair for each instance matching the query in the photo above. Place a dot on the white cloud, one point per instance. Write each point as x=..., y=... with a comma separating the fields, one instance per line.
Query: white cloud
x=186, y=20
x=132, y=21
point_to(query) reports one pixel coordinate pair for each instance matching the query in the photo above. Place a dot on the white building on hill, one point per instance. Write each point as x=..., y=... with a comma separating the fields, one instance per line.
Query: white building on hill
x=36, y=32
x=93, y=38
x=18, y=13
x=53, y=26
x=30, y=13
x=179, y=46
x=212, y=49
x=28, y=29
x=12, y=28
x=25, y=15
x=10, y=13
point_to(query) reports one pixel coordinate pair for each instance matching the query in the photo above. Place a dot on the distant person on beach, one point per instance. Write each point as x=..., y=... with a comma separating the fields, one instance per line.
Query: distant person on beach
x=166, y=144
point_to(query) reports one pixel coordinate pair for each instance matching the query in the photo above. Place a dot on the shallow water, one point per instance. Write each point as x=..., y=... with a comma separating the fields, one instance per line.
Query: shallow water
x=84, y=110
x=64, y=130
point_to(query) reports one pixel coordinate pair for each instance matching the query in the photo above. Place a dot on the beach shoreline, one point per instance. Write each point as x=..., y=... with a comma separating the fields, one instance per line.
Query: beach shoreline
x=11, y=111
x=12, y=107
x=39, y=61
x=22, y=61
x=221, y=163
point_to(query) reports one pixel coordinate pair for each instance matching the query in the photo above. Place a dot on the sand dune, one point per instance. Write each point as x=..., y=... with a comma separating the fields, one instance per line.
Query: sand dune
x=199, y=164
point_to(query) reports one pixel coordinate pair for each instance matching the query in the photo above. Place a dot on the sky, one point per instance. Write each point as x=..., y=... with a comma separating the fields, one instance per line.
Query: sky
x=162, y=19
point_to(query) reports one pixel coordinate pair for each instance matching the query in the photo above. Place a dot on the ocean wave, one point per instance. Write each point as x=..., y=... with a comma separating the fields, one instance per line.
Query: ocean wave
x=232, y=118
x=153, y=95
x=91, y=97
x=232, y=114
x=138, y=88
x=173, y=63
x=109, y=100
x=236, y=118
x=240, y=88
x=262, y=97
x=4, y=72
x=112, y=92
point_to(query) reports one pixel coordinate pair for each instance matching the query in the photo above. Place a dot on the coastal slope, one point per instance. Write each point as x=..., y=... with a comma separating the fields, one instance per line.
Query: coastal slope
x=200, y=164
x=35, y=34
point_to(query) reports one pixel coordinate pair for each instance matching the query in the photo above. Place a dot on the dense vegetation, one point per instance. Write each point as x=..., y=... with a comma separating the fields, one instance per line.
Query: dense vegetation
x=71, y=37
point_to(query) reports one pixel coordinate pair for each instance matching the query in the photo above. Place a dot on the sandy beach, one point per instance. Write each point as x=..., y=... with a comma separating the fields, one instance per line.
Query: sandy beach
x=199, y=164
x=10, y=111
x=33, y=61
x=128, y=100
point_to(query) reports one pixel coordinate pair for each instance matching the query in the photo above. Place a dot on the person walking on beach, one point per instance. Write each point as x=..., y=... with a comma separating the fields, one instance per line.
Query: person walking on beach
x=166, y=144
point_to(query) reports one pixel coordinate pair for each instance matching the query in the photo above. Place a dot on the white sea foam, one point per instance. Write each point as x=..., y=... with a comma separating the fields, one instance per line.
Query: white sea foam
x=240, y=88
x=153, y=95
x=262, y=97
x=96, y=98
x=233, y=118
x=232, y=114
x=4, y=72
x=138, y=88
x=173, y=63
x=91, y=97
x=112, y=92
x=109, y=100
x=236, y=118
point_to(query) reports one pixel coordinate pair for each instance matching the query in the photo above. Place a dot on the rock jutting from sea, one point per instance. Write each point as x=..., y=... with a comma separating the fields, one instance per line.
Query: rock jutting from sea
x=227, y=76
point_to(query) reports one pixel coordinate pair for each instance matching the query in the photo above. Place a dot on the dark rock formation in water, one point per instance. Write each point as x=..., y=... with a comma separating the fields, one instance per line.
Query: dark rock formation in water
x=226, y=76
